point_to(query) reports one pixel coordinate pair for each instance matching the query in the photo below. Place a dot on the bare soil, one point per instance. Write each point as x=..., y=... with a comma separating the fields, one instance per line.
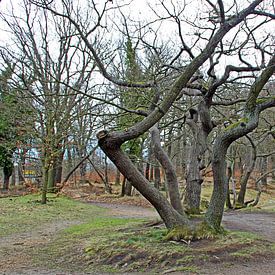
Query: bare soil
x=15, y=249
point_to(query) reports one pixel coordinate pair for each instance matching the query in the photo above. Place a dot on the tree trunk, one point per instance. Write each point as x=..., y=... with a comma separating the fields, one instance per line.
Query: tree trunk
x=117, y=181
x=247, y=173
x=128, y=188
x=171, y=177
x=263, y=171
x=51, y=179
x=229, y=175
x=169, y=215
x=273, y=166
x=193, y=182
x=45, y=185
x=157, y=177
x=214, y=213
x=59, y=169
x=200, y=125
x=122, y=194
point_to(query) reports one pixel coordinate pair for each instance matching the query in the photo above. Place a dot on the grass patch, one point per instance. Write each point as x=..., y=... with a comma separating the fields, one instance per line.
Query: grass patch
x=24, y=213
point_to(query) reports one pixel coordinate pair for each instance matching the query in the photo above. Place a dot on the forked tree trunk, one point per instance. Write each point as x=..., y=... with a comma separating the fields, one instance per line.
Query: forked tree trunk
x=169, y=215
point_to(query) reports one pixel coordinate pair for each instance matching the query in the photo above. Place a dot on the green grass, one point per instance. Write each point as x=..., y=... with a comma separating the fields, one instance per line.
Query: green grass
x=24, y=213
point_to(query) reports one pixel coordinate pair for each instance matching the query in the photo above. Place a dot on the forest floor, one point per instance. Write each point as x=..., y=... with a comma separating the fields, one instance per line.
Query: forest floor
x=107, y=235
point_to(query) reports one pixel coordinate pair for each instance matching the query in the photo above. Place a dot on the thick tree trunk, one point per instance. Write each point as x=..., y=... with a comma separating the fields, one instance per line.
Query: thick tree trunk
x=171, y=176
x=169, y=215
x=200, y=125
x=193, y=181
x=214, y=213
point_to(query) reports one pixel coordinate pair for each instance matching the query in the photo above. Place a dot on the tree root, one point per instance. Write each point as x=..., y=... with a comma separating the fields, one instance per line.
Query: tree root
x=198, y=232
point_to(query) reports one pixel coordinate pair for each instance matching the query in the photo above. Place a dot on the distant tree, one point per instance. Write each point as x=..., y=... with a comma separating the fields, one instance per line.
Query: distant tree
x=15, y=121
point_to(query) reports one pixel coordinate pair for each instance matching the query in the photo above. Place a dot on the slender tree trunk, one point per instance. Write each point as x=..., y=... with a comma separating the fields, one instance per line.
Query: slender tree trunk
x=128, y=188
x=263, y=171
x=117, y=181
x=45, y=185
x=122, y=194
x=273, y=167
x=171, y=177
x=229, y=175
x=157, y=177
x=246, y=175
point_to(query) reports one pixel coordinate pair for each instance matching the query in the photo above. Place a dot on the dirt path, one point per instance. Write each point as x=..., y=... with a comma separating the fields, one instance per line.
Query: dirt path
x=262, y=223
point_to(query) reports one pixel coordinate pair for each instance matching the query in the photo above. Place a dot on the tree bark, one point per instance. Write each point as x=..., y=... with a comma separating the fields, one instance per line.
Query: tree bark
x=246, y=176
x=169, y=215
x=263, y=172
x=214, y=213
x=171, y=176
x=157, y=177
x=200, y=124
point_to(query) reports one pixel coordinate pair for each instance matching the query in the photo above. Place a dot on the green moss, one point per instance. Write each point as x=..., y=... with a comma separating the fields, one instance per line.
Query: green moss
x=263, y=100
x=201, y=231
x=236, y=124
